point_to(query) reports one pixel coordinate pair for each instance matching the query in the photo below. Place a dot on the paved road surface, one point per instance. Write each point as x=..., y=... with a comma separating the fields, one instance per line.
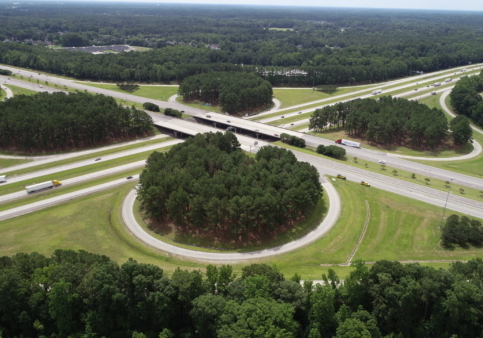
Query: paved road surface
x=141, y=234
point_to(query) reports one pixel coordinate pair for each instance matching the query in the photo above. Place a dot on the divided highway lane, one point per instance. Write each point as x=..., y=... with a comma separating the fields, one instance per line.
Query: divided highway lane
x=407, y=82
x=399, y=163
x=39, y=160
x=394, y=185
x=69, y=83
x=77, y=180
x=51, y=171
x=25, y=209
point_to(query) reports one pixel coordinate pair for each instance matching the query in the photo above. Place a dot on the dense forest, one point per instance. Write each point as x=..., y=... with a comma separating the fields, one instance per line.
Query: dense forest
x=285, y=45
x=466, y=98
x=390, y=121
x=59, y=121
x=235, y=92
x=80, y=294
x=208, y=183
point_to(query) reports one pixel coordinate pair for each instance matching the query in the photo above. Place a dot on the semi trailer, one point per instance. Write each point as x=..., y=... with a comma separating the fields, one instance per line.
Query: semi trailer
x=42, y=186
x=348, y=143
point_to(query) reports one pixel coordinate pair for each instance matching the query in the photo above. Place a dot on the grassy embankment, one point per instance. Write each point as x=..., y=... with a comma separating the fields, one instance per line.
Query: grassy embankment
x=161, y=93
x=398, y=229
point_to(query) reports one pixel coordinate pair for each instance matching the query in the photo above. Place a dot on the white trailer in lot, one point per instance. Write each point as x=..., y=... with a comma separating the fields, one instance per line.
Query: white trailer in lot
x=42, y=186
x=3, y=178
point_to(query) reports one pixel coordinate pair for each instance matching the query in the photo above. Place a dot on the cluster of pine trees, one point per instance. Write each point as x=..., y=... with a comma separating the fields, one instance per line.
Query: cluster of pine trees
x=58, y=121
x=80, y=294
x=207, y=182
x=466, y=98
x=462, y=231
x=389, y=121
x=234, y=91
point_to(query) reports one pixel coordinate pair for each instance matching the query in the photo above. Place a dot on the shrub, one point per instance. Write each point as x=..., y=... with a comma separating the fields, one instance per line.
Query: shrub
x=173, y=112
x=151, y=106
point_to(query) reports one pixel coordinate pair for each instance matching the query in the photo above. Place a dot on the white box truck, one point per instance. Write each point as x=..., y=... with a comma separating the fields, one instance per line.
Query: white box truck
x=3, y=178
x=42, y=186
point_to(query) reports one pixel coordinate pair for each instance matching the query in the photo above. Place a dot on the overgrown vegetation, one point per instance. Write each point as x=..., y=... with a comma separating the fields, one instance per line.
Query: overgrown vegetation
x=235, y=92
x=173, y=112
x=466, y=98
x=208, y=184
x=5, y=72
x=331, y=151
x=322, y=45
x=128, y=87
x=75, y=294
x=461, y=231
x=151, y=106
x=292, y=140
x=391, y=121
x=50, y=122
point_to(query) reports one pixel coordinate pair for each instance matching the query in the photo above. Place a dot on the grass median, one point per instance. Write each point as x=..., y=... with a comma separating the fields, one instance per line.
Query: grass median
x=8, y=162
x=88, y=156
x=160, y=93
x=31, y=198
x=63, y=175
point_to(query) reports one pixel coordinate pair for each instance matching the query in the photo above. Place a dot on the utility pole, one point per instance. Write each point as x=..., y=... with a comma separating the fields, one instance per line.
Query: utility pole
x=446, y=203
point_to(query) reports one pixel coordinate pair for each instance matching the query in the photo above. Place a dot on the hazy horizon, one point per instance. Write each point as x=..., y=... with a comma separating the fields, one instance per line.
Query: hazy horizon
x=463, y=5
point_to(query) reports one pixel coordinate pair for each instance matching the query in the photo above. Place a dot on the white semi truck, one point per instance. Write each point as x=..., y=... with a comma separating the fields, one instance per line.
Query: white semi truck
x=42, y=186
x=348, y=143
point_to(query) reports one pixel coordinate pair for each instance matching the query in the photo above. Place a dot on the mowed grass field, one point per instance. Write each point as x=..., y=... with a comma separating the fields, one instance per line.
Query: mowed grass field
x=294, y=96
x=399, y=228
x=8, y=162
x=161, y=93
x=20, y=91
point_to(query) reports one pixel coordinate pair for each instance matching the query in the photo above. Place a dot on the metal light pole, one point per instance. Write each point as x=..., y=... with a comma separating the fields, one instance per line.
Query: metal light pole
x=446, y=203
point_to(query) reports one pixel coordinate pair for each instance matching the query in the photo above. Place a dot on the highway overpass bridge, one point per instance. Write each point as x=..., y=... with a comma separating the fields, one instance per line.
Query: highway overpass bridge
x=181, y=128
x=219, y=122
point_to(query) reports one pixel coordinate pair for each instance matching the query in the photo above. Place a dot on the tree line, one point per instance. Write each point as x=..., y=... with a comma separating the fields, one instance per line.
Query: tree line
x=324, y=46
x=234, y=91
x=59, y=121
x=390, y=121
x=466, y=98
x=209, y=183
x=81, y=294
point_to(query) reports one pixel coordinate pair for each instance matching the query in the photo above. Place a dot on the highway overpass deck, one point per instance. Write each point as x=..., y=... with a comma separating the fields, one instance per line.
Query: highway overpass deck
x=183, y=128
x=246, y=127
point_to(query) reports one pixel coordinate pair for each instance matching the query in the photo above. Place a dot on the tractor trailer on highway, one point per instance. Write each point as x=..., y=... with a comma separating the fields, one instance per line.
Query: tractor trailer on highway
x=3, y=178
x=42, y=186
x=348, y=143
